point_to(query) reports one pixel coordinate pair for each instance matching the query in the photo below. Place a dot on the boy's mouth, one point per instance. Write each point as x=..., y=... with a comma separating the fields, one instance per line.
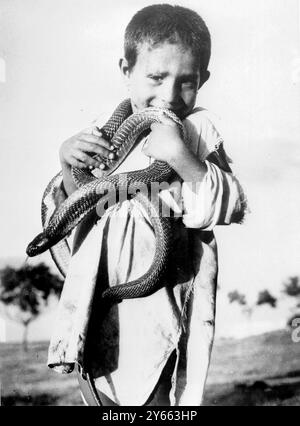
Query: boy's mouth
x=180, y=112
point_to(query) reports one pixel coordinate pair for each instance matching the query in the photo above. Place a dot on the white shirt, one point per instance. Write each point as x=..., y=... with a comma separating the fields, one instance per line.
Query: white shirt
x=131, y=343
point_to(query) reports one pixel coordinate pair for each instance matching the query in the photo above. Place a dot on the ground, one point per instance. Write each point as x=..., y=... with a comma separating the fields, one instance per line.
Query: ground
x=260, y=370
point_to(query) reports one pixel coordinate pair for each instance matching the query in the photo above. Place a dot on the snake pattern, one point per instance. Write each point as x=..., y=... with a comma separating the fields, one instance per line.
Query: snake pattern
x=59, y=218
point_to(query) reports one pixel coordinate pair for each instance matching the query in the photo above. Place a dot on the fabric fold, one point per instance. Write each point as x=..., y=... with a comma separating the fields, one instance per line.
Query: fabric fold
x=217, y=200
x=73, y=312
x=131, y=342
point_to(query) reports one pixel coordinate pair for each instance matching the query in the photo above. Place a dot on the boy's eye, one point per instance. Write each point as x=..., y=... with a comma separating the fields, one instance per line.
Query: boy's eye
x=189, y=84
x=156, y=78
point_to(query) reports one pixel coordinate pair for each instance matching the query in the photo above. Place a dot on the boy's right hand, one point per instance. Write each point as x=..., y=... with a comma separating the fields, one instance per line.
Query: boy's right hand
x=79, y=150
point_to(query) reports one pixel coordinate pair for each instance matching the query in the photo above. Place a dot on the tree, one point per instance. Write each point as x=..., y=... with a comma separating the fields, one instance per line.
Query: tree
x=25, y=292
x=265, y=298
x=239, y=298
x=235, y=296
x=292, y=289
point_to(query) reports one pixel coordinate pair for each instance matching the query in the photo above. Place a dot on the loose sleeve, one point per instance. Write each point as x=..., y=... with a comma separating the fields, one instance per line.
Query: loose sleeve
x=219, y=199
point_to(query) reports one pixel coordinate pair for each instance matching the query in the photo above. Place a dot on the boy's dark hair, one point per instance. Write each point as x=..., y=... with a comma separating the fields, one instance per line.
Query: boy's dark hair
x=166, y=23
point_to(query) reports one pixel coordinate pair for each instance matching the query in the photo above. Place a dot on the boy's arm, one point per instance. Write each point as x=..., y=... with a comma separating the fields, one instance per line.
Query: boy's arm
x=188, y=166
x=211, y=194
x=165, y=143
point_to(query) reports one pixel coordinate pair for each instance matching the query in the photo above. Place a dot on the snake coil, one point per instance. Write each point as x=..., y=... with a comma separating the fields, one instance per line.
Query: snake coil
x=59, y=218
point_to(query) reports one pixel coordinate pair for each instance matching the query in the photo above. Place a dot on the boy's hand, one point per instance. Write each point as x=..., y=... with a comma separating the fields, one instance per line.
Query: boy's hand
x=165, y=142
x=79, y=150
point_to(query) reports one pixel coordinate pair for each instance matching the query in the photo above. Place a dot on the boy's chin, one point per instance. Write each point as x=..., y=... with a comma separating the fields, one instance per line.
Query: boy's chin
x=182, y=114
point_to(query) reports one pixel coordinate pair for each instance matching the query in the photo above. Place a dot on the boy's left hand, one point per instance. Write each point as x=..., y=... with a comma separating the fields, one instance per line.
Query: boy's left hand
x=165, y=142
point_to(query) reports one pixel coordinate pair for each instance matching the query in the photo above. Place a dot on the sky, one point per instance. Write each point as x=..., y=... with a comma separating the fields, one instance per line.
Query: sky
x=59, y=72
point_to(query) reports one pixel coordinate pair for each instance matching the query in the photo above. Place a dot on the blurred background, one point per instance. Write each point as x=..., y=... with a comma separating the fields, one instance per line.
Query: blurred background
x=58, y=73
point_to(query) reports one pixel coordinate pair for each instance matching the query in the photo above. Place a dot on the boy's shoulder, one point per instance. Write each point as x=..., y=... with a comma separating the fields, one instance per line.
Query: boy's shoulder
x=202, y=132
x=203, y=116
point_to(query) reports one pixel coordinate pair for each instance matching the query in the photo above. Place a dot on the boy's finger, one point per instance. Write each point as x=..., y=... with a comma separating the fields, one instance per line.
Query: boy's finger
x=92, y=130
x=89, y=137
x=96, y=139
x=87, y=131
x=97, y=132
x=74, y=162
x=86, y=159
x=96, y=149
x=101, y=166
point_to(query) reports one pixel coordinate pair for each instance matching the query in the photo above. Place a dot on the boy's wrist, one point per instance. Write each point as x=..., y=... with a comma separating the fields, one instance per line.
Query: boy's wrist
x=178, y=155
x=187, y=165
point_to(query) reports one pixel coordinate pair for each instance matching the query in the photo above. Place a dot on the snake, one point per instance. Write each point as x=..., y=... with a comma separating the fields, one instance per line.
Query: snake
x=123, y=129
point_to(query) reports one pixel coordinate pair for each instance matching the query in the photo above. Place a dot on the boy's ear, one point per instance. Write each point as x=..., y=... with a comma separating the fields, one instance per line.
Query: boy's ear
x=124, y=68
x=204, y=77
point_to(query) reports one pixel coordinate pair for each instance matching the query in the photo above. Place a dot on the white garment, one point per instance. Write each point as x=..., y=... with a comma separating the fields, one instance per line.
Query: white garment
x=131, y=342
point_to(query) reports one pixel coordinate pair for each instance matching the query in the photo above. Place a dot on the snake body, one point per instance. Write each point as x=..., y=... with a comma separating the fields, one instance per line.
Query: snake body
x=122, y=129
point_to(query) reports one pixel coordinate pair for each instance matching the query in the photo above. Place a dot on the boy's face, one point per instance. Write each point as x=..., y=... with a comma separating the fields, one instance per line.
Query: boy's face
x=165, y=76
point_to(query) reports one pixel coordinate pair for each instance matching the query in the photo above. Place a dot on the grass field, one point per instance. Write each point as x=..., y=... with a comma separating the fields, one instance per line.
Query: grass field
x=260, y=370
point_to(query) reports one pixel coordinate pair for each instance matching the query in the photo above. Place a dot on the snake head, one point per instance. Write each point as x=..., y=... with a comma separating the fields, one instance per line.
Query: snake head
x=37, y=246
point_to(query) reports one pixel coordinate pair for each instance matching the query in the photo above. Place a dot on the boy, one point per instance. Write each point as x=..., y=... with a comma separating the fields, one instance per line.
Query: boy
x=155, y=350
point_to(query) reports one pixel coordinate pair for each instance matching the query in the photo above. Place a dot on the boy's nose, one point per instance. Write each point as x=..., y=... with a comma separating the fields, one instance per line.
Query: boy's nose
x=169, y=97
